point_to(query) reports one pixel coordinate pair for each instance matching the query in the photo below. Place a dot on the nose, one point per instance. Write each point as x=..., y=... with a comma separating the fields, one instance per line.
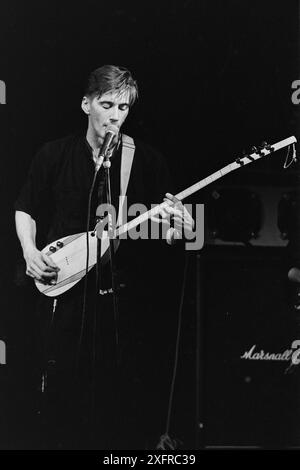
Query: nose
x=115, y=115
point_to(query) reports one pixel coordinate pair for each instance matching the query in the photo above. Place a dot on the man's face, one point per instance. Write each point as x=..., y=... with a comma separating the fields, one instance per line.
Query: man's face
x=110, y=108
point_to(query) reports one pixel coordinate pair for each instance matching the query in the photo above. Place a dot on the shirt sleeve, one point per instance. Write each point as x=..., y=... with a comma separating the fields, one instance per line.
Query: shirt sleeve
x=35, y=193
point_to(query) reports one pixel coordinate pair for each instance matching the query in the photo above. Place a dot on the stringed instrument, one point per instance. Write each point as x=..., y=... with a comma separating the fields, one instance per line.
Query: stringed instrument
x=70, y=252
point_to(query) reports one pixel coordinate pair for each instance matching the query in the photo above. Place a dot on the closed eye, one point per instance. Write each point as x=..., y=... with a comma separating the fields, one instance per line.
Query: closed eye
x=110, y=104
x=124, y=107
x=106, y=104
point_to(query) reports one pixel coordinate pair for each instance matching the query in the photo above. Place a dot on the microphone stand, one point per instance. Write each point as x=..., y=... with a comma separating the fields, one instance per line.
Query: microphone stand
x=110, y=233
x=107, y=165
x=104, y=160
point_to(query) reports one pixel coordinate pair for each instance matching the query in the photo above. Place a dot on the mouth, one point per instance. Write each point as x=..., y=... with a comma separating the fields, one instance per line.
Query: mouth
x=109, y=125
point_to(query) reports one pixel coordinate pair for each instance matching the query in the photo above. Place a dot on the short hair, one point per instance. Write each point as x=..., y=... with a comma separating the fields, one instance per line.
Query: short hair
x=109, y=78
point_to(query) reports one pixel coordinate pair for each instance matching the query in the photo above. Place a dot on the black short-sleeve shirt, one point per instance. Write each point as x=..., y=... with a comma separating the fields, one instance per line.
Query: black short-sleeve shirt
x=56, y=191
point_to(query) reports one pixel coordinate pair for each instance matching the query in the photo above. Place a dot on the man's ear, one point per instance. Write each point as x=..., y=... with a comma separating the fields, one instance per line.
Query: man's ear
x=85, y=105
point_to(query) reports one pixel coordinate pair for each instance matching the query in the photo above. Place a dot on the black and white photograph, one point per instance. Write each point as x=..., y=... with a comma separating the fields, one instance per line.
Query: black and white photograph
x=150, y=281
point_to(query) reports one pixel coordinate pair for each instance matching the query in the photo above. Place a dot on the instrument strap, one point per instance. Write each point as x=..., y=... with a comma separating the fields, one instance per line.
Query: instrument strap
x=128, y=149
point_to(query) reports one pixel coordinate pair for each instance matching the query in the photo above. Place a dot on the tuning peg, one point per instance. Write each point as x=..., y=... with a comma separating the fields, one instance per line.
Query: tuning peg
x=258, y=151
x=239, y=161
x=269, y=148
x=261, y=147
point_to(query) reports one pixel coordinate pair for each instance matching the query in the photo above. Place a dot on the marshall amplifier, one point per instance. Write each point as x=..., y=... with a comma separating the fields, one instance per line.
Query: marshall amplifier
x=239, y=376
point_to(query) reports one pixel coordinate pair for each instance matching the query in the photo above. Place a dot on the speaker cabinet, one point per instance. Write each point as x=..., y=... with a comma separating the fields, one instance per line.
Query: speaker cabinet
x=247, y=393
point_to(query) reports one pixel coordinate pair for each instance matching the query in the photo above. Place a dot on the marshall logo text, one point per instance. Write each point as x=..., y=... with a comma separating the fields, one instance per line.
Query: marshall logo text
x=292, y=354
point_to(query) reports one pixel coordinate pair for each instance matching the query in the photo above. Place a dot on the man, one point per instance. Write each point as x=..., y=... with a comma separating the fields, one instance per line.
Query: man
x=52, y=204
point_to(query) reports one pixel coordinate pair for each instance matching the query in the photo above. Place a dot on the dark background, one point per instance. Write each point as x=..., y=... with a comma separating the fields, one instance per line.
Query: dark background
x=214, y=77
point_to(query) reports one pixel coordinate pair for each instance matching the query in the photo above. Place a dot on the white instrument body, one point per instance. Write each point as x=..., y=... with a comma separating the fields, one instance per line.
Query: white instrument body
x=70, y=253
x=71, y=260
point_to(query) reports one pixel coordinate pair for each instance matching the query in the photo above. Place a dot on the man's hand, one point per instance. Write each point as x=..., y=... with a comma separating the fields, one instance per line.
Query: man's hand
x=40, y=266
x=182, y=221
x=182, y=218
x=175, y=210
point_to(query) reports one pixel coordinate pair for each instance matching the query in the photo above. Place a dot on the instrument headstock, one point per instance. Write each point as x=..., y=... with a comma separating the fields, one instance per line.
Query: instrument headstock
x=256, y=152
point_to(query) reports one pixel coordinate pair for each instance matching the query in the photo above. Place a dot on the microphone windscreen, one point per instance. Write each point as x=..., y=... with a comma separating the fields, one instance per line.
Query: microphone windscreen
x=112, y=129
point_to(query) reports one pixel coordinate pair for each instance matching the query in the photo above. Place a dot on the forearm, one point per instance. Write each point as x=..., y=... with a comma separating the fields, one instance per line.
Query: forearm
x=26, y=230
x=38, y=264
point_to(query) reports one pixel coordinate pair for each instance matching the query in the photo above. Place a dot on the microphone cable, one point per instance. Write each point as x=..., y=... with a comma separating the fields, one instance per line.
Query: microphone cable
x=83, y=313
x=166, y=442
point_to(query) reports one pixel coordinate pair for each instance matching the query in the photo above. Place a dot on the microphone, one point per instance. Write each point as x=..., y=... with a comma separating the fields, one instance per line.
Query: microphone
x=111, y=132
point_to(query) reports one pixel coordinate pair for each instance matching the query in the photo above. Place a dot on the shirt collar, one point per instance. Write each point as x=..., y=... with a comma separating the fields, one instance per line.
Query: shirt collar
x=116, y=147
